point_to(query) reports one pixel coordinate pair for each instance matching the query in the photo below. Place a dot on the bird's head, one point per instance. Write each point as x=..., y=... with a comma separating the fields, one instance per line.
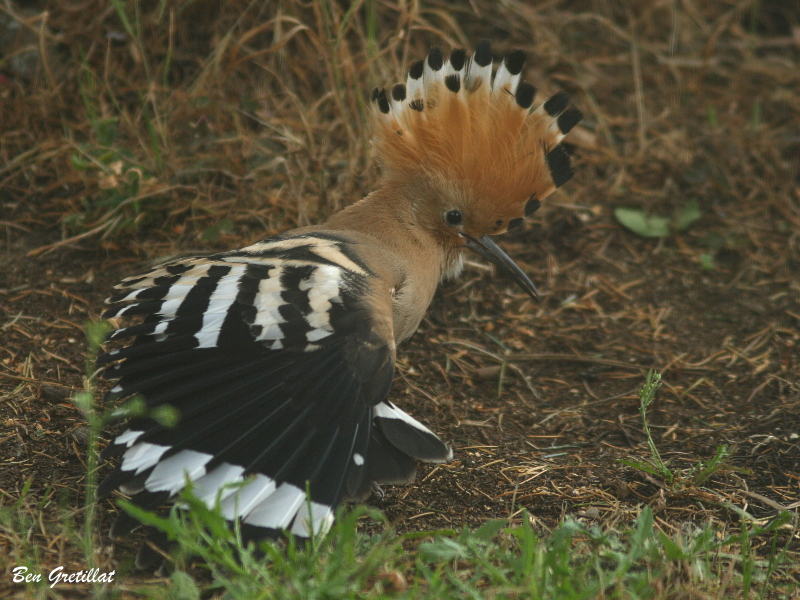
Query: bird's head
x=475, y=153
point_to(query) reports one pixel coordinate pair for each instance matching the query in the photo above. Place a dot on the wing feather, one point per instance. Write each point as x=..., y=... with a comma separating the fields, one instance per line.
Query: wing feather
x=271, y=358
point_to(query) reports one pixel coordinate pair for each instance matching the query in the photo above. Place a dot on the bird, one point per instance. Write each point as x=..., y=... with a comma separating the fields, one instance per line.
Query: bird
x=278, y=358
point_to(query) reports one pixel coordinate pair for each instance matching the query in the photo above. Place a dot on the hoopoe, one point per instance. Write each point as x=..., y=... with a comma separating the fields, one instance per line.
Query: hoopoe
x=279, y=357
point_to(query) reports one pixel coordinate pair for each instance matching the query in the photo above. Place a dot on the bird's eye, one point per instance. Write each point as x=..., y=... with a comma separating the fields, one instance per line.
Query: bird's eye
x=453, y=217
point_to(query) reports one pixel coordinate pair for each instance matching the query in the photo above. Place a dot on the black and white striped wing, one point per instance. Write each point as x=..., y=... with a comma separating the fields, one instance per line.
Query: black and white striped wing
x=271, y=357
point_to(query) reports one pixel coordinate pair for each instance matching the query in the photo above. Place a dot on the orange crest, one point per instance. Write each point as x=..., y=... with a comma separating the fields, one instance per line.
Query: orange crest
x=452, y=122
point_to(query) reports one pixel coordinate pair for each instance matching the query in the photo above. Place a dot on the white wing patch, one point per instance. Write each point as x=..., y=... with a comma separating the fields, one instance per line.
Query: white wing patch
x=257, y=500
x=142, y=456
x=324, y=248
x=127, y=437
x=218, y=305
x=247, y=497
x=274, y=263
x=268, y=302
x=278, y=509
x=318, y=519
x=288, y=506
x=158, y=332
x=387, y=410
x=323, y=288
x=188, y=278
x=330, y=251
x=218, y=482
x=170, y=474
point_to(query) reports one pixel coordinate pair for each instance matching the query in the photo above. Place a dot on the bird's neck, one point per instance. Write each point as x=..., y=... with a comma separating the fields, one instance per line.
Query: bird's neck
x=416, y=259
x=391, y=217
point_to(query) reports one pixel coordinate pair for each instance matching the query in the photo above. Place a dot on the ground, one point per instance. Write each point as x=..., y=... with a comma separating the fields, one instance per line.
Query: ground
x=539, y=400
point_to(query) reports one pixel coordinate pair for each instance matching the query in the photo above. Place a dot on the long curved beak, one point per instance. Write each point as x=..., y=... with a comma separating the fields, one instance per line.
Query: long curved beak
x=493, y=253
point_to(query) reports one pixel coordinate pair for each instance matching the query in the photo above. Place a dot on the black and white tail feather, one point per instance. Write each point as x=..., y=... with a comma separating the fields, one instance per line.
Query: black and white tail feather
x=269, y=356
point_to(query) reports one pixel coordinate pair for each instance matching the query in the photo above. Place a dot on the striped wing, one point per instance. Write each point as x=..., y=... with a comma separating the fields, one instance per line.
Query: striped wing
x=271, y=357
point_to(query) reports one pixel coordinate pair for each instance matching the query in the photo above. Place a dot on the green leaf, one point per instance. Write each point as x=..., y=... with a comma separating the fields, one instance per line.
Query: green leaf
x=649, y=226
x=490, y=529
x=687, y=215
x=657, y=226
x=183, y=587
x=671, y=549
x=78, y=162
x=781, y=519
x=146, y=517
x=84, y=401
x=713, y=121
x=96, y=332
x=441, y=550
x=135, y=407
x=644, y=528
x=644, y=466
x=704, y=471
x=106, y=130
x=214, y=232
x=166, y=415
x=707, y=262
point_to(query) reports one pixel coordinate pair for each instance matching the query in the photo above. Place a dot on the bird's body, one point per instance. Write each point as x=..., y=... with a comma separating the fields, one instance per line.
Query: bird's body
x=279, y=357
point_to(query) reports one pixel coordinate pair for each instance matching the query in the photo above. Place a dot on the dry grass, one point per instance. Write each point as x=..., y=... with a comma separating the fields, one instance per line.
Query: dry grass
x=131, y=131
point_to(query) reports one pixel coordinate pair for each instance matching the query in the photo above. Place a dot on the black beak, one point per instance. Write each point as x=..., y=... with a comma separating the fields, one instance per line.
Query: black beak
x=492, y=252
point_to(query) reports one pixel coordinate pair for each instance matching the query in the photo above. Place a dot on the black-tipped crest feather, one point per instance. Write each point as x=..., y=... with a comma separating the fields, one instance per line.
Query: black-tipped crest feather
x=560, y=166
x=514, y=61
x=416, y=69
x=457, y=58
x=399, y=92
x=435, y=59
x=525, y=94
x=483, y=53
x=568, y=119
x=556, y=103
